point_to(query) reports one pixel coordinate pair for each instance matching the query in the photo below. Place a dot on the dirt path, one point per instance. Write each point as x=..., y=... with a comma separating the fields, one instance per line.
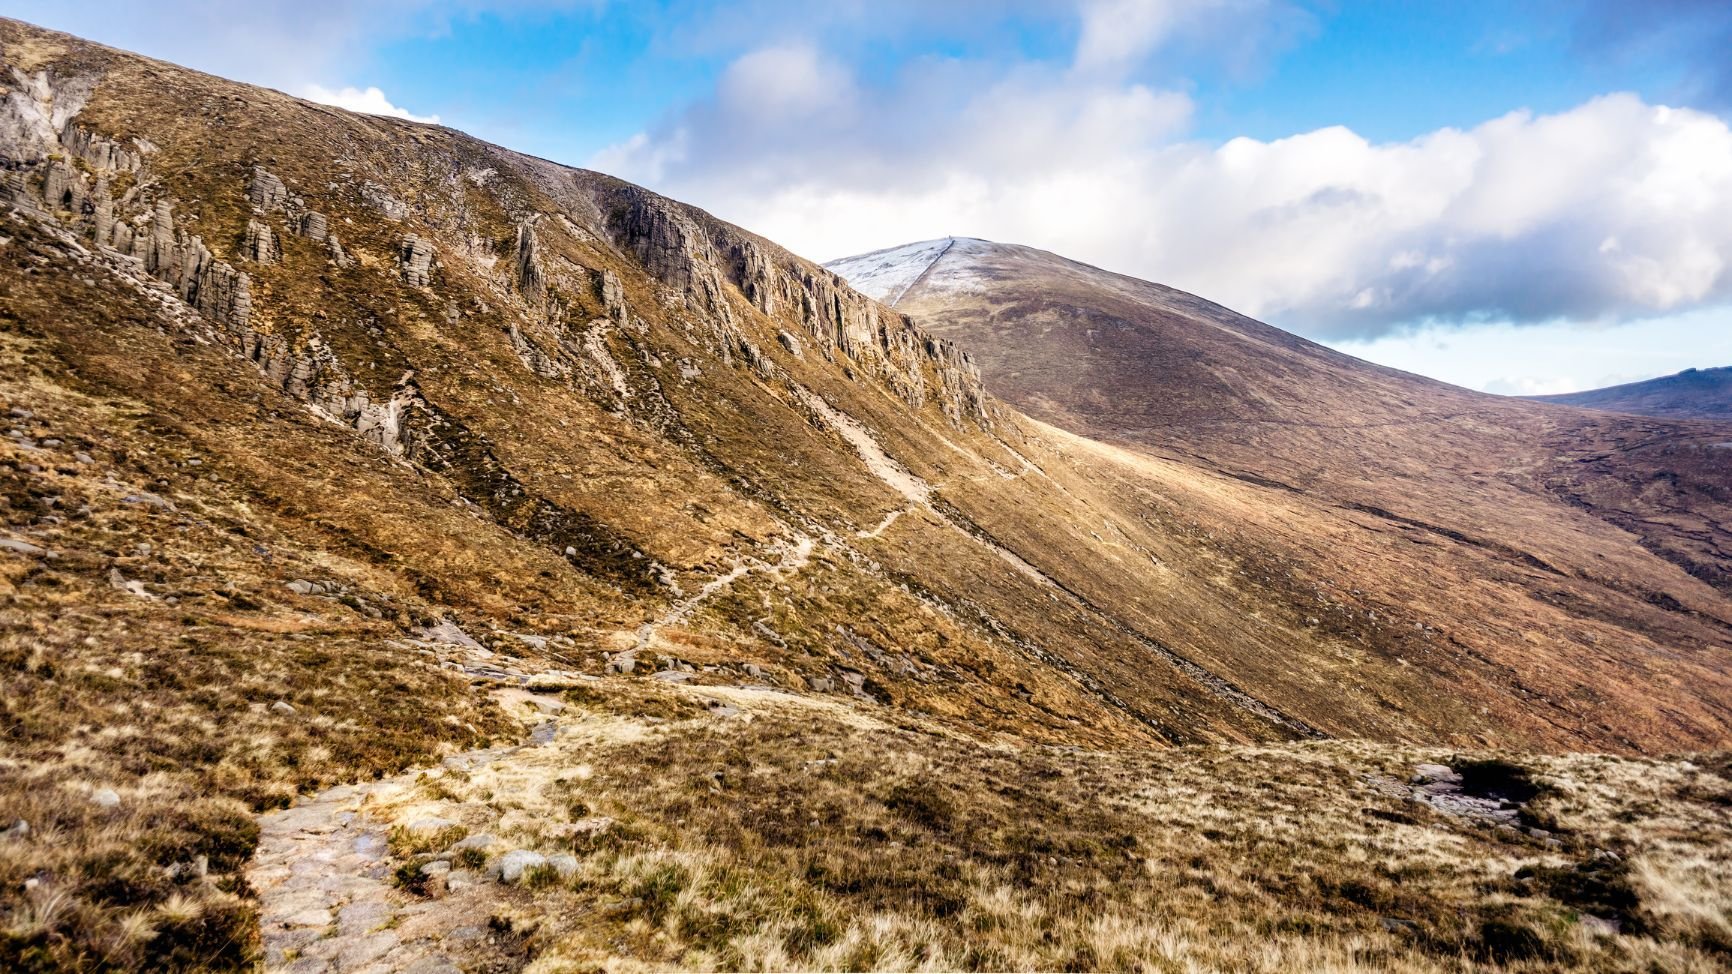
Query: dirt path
x=793, y=558
x=328, y=901
x=326, y=897
x=324, y=869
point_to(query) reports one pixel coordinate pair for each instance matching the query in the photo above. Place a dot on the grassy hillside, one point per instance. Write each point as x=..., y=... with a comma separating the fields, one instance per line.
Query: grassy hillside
x=345, y=451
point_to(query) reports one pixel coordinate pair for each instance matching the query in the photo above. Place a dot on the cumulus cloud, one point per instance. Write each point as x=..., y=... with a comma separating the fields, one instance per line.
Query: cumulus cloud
x=370, y=100
x=788, y=120
x=1611, y=210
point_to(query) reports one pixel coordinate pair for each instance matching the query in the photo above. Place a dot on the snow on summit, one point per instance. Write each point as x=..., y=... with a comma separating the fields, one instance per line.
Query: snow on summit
x=888, y=275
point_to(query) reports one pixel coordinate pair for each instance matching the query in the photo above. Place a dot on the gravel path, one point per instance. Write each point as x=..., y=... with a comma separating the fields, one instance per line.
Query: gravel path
x=327, y=902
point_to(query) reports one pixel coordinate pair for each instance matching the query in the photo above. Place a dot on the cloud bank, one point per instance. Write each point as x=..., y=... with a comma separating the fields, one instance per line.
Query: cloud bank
x=1612, y=210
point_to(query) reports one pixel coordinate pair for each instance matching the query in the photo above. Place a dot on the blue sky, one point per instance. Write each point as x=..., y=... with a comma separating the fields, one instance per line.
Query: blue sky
x=1515, y=197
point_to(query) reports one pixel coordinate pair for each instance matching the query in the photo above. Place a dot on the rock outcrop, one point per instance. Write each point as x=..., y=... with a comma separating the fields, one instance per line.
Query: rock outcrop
x=381, y=198
x=38, y=140
x=682, y=249
x=313, y=226
x=415, y=258
x=261, y=244
x=266, y=191
x=531, y=280
x=312, y=373
x=37, y=110
x=339, y=257
x=181, y=259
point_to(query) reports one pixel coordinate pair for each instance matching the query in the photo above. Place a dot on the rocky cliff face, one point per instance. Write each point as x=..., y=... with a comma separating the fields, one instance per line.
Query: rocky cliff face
x=708, y=270
x=694, y=261
x=65, y=174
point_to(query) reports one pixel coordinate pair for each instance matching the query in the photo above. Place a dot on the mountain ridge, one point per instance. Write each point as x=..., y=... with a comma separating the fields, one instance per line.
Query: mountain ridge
x=1703, y=393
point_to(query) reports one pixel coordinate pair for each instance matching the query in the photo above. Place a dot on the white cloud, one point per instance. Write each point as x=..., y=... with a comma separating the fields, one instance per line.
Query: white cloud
x=1116, y=35
x=1612, y=210
x=783, y=84
x=1115, y=32
x=370, y=100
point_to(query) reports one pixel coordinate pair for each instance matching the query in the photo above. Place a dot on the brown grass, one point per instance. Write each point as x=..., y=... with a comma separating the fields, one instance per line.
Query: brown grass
x=167, y=700
x=815, y=838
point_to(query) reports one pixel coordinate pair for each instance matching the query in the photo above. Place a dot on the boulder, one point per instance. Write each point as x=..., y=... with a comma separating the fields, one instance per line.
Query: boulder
x=106, y=798
x=480, y=840
x=1438, y=773
x=21, y=548
x=514, y=864
x=450, y=634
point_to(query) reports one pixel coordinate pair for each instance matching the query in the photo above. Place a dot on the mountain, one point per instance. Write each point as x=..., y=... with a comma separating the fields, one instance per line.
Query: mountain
x=1690, y=394
x=1172, y=375
x=1442, y=491
x=401, y=531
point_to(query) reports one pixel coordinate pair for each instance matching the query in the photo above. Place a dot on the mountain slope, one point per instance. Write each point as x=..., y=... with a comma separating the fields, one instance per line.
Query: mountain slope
x=335, y=440
x=1439, y=489
x=1145, y=365
x=1690, y=394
